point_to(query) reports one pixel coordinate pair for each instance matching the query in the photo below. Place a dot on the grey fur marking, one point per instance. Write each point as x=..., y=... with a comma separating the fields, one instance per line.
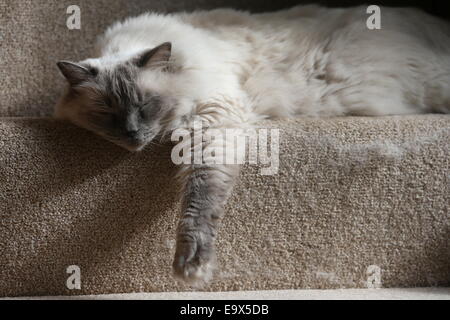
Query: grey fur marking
x=112, y=105
x=207, y=190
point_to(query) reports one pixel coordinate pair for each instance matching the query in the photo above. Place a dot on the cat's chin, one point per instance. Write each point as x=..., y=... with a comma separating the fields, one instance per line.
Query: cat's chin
x=134, y=148
x=131, y=147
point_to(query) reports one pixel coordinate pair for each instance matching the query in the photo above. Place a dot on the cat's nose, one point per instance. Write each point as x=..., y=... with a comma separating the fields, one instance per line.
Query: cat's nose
x=131, y=133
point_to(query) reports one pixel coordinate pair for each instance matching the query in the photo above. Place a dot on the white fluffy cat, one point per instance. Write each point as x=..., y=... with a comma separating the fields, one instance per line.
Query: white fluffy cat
x=156, y=73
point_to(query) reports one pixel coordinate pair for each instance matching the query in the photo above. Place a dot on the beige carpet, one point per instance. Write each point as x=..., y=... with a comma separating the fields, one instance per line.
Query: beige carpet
x=350, y=193
x=336, y=294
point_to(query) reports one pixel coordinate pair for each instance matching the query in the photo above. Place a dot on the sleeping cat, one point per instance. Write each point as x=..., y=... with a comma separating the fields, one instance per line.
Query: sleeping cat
x=155, y=73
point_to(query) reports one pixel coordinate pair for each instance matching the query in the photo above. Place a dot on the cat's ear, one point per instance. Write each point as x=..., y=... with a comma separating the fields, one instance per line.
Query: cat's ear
x=75, y=73
x=157, y=56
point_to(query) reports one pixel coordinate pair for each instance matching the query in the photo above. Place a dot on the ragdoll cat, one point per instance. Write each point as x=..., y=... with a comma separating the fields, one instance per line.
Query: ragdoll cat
x=156, y=73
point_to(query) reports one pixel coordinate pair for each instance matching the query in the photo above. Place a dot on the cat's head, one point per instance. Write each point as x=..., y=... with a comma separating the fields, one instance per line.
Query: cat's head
x=106, y=98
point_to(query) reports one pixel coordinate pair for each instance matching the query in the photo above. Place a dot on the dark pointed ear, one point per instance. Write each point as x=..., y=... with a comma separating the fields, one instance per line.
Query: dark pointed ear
x=75, y=73
x=154, y=57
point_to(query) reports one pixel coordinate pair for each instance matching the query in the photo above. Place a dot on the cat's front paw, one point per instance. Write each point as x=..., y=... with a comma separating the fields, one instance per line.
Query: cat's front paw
x=194, y=258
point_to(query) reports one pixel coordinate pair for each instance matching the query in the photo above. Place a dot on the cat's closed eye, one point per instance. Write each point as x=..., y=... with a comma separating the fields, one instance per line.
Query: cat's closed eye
x=147, y=111
x=150, y=107
x=103, y=118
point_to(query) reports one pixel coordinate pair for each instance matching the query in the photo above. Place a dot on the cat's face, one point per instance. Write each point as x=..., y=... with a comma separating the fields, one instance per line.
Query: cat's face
x=109, y=102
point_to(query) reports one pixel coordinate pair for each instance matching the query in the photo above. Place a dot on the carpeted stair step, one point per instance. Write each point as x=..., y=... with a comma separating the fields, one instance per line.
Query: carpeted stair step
x=350, y=193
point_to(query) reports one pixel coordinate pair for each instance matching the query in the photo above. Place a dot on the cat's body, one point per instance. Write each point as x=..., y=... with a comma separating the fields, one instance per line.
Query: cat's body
x=231, y=68
x=303, y=61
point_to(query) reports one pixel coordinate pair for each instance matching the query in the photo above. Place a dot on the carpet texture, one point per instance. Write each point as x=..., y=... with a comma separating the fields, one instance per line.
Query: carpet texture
x=323, y=294
x=350, y=193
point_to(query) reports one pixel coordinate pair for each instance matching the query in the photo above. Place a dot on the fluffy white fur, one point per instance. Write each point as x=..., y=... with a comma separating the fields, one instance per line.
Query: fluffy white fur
x=307, y=60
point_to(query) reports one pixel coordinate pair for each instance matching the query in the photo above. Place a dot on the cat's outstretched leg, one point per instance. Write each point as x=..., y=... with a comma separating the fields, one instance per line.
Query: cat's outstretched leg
x=206, y=190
